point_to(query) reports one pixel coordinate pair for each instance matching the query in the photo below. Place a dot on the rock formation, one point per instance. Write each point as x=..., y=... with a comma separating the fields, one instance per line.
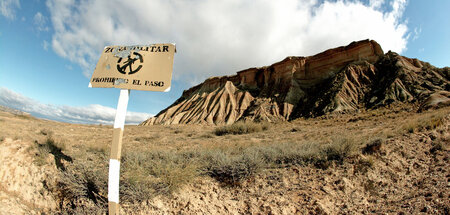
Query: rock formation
x=342, y=79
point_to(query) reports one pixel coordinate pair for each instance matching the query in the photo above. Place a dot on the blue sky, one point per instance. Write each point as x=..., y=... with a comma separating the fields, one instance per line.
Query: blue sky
x=48, y=49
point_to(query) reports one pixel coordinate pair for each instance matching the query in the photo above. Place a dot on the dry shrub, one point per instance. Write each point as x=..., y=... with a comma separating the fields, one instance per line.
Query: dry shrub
x=98, y=149
x=235, y=166
x=373, y=146
x=147, y=174
x=82, y=188
x=370, y=186
x=41, y=156
x=206, y=136
x=46, y=132
x=289, y=153
x=340, y=148
x=25, y=116
x=241, y=128
x=230, y=168
x=148, y=139
x=427, y=121
x=437, y=146
x=364, y=164
x=50, y=146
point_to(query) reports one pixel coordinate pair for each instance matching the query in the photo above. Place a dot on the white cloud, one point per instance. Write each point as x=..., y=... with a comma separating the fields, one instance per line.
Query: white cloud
x=45, y=45
x=222, y=37
x=8, y=8
x=92, y=114
x=416, y=33
x=40, y=21
x=376, y=4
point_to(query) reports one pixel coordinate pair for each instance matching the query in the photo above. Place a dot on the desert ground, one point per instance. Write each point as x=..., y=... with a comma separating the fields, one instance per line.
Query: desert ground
x=391, y=160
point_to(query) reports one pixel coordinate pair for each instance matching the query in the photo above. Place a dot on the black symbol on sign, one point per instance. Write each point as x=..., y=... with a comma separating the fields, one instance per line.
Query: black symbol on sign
x=122, y=67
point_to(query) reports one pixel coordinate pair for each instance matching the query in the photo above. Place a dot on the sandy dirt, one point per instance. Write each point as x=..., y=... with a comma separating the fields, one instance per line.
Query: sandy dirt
x=408, y=174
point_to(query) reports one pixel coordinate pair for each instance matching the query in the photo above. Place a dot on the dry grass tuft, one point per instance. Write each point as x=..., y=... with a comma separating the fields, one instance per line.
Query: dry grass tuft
x=159, y=160
x=437, y=146
x=46, y=132
x=25, y=116
x=50, y=146
x=231, y=168
x=427, y=121
x=341, y=148
x=83, y=181
x=241, y=128
x=147, y=174
x=373, y=146
x=364, y=164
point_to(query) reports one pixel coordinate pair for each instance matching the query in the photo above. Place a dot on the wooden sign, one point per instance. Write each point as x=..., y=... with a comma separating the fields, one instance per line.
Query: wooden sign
x=147, y=67
x=130, y=68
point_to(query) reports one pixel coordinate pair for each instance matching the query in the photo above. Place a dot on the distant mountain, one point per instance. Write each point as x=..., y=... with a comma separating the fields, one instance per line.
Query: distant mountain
x=13, y=111
x=342, y=79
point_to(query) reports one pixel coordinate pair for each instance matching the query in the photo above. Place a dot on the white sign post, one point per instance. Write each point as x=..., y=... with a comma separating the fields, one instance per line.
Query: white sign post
x=116, y=148
x=130, y=67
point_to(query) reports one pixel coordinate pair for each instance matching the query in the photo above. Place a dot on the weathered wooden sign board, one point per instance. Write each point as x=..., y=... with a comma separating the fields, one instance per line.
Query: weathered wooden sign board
x=147, y=67
x=135, y=67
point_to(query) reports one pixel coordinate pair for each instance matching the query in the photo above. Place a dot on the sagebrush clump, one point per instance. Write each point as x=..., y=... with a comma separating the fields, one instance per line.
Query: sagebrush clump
x=241, y=128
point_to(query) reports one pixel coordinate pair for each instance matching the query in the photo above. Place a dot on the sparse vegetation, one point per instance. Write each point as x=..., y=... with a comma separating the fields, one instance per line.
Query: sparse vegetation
x=241, y=128
x=370, y=187
x=364, y=164
x=427, y=121
x=437, y=146
x=46, y=132
x=230, y=168
x=341, y=148
x=373, y=146
x=42, y=155
x=164, y=171
x=83, y=181
x=97, y=149
x=25, y=116
x=146, y=139
x=147, y=174
x=50, y=146
x=160, y=160
x=206, y=136
x=177, y=131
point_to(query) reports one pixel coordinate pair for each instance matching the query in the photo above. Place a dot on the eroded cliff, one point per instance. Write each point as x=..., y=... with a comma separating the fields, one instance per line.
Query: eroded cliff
x=342, y=79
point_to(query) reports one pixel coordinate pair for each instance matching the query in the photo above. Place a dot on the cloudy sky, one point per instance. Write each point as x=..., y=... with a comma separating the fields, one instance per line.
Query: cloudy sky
x=49, y=49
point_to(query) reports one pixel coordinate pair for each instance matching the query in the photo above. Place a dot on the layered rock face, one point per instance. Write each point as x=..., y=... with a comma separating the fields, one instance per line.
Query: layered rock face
x=342, y=79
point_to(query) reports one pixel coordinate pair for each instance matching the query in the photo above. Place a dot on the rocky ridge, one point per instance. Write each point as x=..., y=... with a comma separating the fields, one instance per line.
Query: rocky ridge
x=343, y=79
